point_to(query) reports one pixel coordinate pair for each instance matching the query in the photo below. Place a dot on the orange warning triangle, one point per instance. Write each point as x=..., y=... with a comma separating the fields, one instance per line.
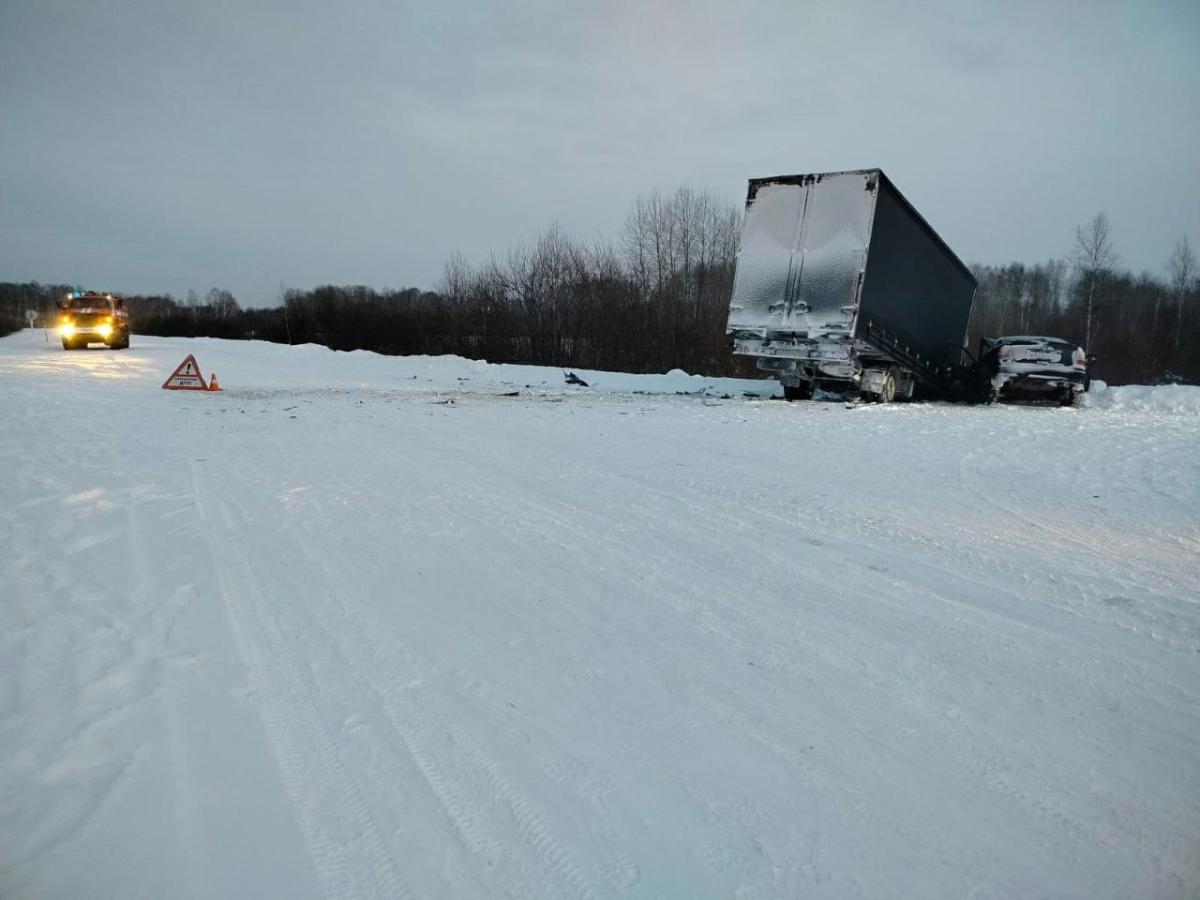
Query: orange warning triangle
x=186, y=377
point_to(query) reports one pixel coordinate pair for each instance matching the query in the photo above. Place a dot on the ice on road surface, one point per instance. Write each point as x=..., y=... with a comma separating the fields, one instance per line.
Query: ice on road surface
x=366, y=627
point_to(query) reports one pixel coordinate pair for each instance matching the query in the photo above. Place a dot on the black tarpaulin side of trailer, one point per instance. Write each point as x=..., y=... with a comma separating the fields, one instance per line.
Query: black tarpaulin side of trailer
x=915, y=289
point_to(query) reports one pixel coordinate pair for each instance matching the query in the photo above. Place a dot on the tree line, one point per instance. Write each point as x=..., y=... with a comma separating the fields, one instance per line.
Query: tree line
x=1143, y=328
x=656, y=297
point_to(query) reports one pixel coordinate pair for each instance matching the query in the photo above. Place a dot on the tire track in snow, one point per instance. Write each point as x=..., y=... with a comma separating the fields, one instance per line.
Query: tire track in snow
x=1114, y=546
x=1167, y=615
x=545, y=521
x=542, y=524
x=576, y=529
x=969, y=620
x=941, y=583
x=350, y=857
x=186, y=830
x=554, y=519
x=93, y=660
x=463, y=780
x=466, y=781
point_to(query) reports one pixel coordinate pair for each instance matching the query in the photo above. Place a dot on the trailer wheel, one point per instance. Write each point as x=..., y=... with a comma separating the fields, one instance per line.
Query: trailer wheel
x=887, y=390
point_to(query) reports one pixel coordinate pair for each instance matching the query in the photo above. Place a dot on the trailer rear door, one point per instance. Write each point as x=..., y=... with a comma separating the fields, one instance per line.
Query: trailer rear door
x=803, y=249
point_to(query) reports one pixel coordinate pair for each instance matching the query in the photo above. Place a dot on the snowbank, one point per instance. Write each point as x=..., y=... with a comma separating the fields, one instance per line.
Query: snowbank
x=506, y=375
x=259, y=364
x=1174, y=399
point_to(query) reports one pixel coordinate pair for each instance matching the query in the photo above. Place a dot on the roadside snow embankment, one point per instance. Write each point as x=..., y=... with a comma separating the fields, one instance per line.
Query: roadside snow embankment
x=259, y=365
x=1171, y=399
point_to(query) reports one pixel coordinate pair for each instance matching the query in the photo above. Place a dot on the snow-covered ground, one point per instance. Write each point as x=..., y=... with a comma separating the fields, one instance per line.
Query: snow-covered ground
x=366, y=627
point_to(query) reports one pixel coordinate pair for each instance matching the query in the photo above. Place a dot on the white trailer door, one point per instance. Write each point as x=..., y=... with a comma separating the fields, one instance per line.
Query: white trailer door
x=802, y=252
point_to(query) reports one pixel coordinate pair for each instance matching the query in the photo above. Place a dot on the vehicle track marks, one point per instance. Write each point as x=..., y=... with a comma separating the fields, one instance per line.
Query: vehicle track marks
x=350, y=856
x=496, y=823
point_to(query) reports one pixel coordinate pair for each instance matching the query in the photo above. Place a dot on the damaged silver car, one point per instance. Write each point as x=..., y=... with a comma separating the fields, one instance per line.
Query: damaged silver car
x=1024, y=367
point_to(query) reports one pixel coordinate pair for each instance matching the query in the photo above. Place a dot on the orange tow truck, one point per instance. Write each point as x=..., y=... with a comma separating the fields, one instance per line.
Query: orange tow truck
x=93, y=318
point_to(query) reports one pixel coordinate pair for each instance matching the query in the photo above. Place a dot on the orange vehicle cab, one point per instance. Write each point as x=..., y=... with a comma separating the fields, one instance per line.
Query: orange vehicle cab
x=93, y=318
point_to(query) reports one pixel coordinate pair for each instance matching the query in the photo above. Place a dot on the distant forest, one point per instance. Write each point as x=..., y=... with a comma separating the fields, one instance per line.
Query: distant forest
x=656, y=299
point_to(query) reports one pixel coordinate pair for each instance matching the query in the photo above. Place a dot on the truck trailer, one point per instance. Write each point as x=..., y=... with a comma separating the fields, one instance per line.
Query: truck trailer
x=842, y=286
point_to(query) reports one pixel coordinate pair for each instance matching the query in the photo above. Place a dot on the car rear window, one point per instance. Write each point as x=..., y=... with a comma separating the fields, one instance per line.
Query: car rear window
x=1061, y=346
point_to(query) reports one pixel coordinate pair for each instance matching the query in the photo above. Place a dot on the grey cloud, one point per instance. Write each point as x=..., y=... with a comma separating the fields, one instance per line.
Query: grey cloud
x=151, y=146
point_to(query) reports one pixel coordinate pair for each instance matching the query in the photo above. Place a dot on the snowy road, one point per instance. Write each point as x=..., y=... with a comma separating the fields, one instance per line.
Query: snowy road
x=364, y=627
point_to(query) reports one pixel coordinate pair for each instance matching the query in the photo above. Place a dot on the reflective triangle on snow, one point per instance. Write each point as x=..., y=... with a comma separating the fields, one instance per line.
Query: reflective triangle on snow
x=186, y=377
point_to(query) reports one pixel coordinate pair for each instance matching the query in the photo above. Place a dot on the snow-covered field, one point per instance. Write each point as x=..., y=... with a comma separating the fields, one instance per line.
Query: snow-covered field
x=366, y=627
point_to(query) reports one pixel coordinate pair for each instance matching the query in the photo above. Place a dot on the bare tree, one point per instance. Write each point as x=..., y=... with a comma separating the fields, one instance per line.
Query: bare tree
x=455, y=276
x=679, y=250
x=284, y=296
x=1093, y=256
x=222, y=303
x=1182, y=269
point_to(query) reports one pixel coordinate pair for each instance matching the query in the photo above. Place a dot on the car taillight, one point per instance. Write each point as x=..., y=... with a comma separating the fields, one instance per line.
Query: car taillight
x=1079, y=358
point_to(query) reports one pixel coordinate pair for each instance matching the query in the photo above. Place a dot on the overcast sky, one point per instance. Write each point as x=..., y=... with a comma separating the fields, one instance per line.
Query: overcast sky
x=147, y=145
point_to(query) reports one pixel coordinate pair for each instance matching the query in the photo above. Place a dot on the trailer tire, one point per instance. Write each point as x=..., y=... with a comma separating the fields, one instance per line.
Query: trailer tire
x=887, y=390
x=882, y=390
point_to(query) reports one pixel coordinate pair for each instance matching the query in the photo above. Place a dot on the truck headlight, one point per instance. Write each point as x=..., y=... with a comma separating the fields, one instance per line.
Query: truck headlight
x=67, y=329
x=105, y=330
